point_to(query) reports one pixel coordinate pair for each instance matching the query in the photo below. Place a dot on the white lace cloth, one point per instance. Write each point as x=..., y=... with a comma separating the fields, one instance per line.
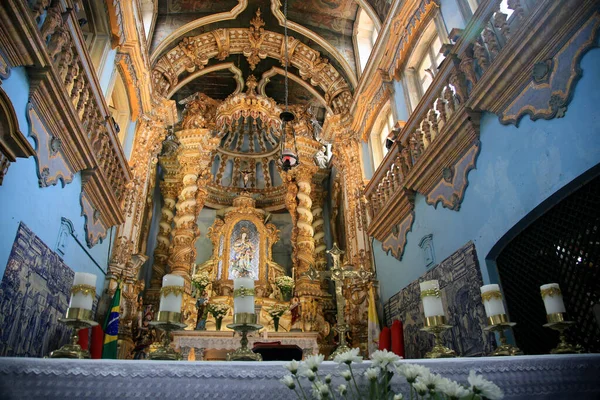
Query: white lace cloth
x=525, y=377
x=223, y=340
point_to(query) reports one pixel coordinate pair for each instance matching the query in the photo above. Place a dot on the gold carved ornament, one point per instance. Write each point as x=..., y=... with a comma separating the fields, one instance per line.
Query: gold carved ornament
x=174, y=290
x=551, y=292
x=430, y=292
x=243, y=292
x=487, y=296
x=84, y=289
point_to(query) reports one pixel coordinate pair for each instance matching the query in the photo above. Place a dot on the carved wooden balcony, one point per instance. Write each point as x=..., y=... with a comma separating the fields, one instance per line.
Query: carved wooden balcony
x=439, y=144
x=69, y=117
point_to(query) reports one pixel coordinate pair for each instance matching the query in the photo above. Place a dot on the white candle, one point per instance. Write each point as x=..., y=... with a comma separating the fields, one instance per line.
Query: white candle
x=170, y=299
x=83, y=296
x=493, y=300
x=243, y=304
x=553, y=299
x=432, y=304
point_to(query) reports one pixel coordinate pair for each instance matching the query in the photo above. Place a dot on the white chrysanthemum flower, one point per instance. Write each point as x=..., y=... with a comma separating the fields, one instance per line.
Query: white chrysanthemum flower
x=432, y=381
x=308, y=373
x=421, y=388
x=348, y=357
x=412, y=371
x=328, y=378
x=398, y=396
x=313, y=362
x=383, y=358
x=292, y=366
x=342, y=389
x=288, y=381
x=483, y=387
x=372, y=373
x=347, y=375
x=320, y=390
x=453, y=389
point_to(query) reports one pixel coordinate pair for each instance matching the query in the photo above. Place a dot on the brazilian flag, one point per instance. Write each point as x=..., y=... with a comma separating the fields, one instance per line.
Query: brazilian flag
x=111, y=327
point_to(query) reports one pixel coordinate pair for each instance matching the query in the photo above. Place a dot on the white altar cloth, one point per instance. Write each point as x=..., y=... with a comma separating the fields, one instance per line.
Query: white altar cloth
x=525, y=377
x=203, y=341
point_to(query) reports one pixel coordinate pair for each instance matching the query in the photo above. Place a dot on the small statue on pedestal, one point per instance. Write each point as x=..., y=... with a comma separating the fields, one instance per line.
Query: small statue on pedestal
x=202, y=306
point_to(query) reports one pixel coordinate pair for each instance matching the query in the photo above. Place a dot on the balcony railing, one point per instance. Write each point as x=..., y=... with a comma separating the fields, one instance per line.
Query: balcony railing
x=46, y=37
x=436, y=116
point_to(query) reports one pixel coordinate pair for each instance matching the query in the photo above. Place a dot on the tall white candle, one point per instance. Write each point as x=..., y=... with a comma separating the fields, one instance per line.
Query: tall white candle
x=83, y=291
x=492, y=300
x=172, y=293
x=553, y=299
x=432, y=304
x=243, y=304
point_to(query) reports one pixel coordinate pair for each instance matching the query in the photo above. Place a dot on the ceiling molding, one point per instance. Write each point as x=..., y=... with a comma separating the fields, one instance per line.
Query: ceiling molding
x=351, y=75
x=193, y=53
x=237, y=75
x=177, y=33
x=265, y=79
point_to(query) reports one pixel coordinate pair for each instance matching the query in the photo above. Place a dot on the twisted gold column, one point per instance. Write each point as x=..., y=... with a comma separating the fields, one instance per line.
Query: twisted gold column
x=170, y=187
x=193, y=157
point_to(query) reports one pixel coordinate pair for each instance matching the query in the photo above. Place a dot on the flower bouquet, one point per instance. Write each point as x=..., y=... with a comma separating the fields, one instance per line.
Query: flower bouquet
x=200, y=281
x=375, y=382
x=276, y=312
x=286, y=285
x=218, y=311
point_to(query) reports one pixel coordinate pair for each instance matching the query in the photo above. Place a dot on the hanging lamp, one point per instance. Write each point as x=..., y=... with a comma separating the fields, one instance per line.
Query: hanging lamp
x=289, y=151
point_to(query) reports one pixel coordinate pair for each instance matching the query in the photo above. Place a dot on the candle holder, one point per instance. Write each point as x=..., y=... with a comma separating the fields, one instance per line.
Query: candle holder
x=76, y=318
x=499, y=323
x=436, y=325
x=556, y=321
x=244, y=323
x=167, y=321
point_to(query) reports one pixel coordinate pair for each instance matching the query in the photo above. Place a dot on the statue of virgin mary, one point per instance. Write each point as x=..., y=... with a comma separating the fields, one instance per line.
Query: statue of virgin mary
x=242, y=256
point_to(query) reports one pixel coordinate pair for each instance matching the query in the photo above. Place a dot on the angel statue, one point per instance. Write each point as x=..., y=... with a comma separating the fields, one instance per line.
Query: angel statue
x=242, y=256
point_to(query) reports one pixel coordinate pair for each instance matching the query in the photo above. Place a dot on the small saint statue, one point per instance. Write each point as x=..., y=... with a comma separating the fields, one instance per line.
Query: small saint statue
x=321, y=157
x=242, y=256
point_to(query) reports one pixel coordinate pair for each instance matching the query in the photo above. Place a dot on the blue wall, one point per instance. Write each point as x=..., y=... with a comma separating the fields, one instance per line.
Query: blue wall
x=41, y=209
x=517, y=169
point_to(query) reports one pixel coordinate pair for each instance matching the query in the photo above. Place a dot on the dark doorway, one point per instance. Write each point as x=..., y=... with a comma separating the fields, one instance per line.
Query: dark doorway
x=561, y=246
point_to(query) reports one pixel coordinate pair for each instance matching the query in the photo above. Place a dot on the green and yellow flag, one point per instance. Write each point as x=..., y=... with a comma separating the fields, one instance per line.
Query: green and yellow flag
x=111, y=327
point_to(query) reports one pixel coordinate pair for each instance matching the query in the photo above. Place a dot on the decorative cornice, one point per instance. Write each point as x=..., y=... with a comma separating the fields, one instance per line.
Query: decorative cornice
x=554, y=80
x=13, y=143
x=396, y=241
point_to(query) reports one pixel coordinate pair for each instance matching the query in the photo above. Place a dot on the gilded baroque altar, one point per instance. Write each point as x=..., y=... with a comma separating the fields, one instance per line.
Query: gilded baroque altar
x=242, y=239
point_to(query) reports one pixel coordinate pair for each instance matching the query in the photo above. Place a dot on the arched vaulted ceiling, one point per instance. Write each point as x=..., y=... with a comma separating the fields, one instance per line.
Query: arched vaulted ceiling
x=322, y=30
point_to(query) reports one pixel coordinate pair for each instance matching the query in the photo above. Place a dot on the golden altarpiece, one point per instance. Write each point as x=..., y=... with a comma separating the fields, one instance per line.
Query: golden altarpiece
x=241, y=230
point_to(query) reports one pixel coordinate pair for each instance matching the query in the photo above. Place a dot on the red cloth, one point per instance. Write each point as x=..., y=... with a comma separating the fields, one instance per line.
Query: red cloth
x=397, y=338
x=97, y=342
x=385, y=339
x=84, y=338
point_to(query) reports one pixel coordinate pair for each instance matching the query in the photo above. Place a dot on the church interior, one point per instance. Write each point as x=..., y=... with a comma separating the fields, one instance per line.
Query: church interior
x=302, y=177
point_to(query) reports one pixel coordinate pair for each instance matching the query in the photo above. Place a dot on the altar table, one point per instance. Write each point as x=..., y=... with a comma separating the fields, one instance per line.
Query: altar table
x=524, y=377
x=214, y=345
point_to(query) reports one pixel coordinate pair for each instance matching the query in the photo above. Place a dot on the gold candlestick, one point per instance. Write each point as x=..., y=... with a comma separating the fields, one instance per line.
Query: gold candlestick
x=557, y=322
x=436, y=325
x=76, y=318
x=244, y=323
x=167, y=321
x=499, y=323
